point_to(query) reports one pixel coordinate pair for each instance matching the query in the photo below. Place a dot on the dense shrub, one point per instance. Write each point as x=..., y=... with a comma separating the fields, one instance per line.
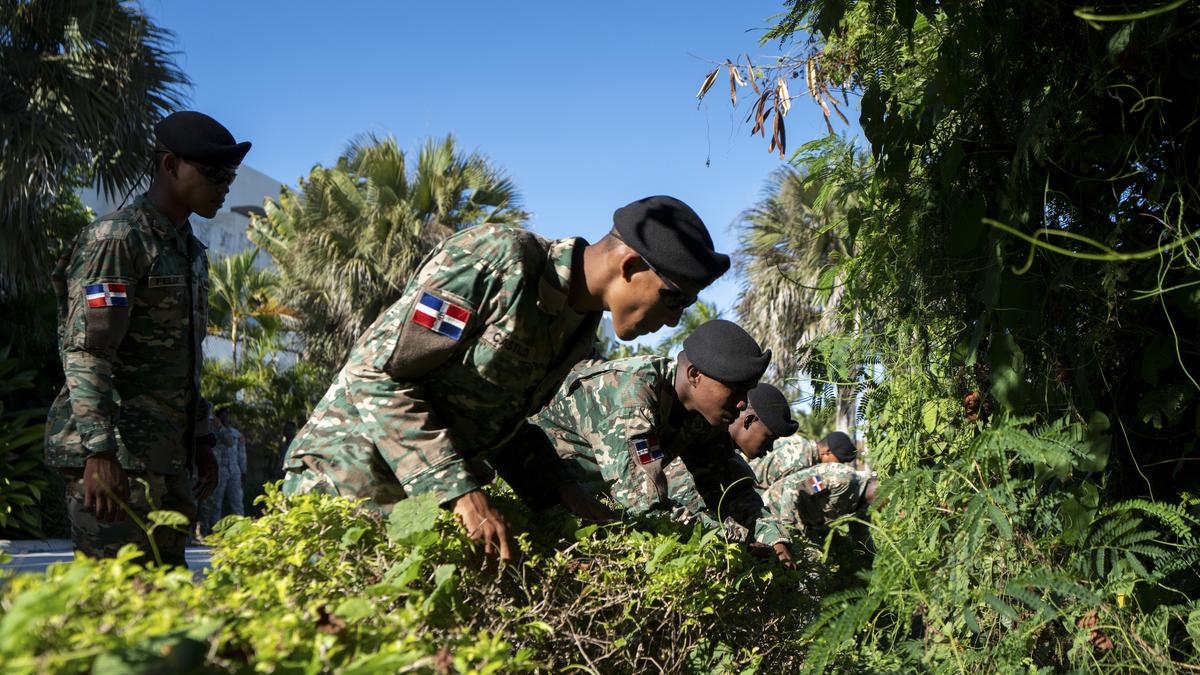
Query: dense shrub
x=318, y=585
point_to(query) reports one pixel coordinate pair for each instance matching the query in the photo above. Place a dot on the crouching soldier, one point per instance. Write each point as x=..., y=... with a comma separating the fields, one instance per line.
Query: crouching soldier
x=487, y=328
x=619, y=424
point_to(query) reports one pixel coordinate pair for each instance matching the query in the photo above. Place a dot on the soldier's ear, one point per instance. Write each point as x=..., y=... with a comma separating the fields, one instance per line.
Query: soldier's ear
x=693, y=375
x=630, y=263
x=748, y=419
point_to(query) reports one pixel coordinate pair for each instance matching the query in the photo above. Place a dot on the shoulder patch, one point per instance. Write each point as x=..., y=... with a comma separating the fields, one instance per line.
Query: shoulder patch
x=106, y=295
x=441, y=316
x=815, y=485
x=647, y=449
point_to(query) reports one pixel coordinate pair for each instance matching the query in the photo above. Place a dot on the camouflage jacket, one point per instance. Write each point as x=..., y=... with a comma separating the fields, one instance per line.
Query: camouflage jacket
x=480, y=339
x=788, y=455
x=806, y=496
x=810, y=499
x=132, y=312
x=618, y=426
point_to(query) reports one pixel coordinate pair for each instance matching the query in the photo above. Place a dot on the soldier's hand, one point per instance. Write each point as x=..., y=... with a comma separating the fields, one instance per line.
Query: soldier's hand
x=484, y=523
x=105, y=487
x=207, y=472
x=578, y=501
x=784, y=554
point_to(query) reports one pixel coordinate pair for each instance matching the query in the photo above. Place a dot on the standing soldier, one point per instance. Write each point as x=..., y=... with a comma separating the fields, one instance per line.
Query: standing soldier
x=132, y=312
x=619, y=425
x=486, y=329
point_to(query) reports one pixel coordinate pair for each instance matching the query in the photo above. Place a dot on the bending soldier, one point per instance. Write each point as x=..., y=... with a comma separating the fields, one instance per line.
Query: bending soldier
x=486, y=329
x=620, y=424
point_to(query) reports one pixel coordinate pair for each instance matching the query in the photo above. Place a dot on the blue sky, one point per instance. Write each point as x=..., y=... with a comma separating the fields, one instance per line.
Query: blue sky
x=587, y=106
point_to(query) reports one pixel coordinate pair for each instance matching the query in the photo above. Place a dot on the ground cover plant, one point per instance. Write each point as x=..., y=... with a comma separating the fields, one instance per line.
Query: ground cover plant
x=317, y=585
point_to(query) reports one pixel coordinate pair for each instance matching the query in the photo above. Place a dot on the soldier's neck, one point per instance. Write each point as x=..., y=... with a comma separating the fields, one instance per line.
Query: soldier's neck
x=161, y=199
x=587, y=280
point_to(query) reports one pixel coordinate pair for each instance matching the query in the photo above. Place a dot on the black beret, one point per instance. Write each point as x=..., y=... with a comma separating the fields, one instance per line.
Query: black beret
x=724, y=351
x=671, y=237
x=200, y=138
x=772, y=407
x=841, y=446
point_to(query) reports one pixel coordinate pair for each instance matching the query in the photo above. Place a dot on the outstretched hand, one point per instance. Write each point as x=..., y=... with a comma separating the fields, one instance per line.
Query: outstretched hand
x=486, y=524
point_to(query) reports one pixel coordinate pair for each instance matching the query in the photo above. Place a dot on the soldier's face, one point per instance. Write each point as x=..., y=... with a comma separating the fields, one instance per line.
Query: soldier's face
x=825, y=455
x=645, y=300
x=718, y=402
x=201, y=187
x=751, y=435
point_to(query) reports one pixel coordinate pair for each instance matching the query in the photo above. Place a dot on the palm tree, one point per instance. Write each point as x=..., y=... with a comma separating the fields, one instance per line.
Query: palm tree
x=348, y=240
x=239, y=293
x=699, y=313
x=791, y=290
x=81, y=86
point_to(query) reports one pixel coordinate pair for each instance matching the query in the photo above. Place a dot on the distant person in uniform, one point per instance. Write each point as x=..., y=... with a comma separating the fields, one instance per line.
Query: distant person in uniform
x=485, y=331
x=132, y=293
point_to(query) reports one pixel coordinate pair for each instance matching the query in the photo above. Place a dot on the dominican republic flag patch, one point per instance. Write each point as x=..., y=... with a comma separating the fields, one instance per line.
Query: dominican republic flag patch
x=816, y=485
x=647, y=450
x=106, y=295
x=440, y=316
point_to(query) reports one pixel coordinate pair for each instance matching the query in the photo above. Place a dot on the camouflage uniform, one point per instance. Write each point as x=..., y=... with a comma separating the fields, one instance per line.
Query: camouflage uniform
x=810, y=499
x=132, y=312
x=480, y=340
x=788, y=455
x=611, y=423
x=785, y=480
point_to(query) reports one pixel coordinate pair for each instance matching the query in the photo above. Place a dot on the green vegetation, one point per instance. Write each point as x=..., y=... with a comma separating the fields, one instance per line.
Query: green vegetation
x=1013, y=262
x=348, y=240
x=83, y=84
x=318, y=585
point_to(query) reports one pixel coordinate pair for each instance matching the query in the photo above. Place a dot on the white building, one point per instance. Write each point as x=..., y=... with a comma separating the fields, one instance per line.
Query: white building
x=224, y=234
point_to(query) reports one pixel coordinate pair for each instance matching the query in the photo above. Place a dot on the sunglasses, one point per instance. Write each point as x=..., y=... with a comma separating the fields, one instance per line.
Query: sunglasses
x=672, y=296
x=217, y=175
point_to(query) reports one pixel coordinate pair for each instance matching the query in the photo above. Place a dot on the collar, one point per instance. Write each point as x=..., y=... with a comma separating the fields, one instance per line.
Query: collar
x=555, y=284
x=162, y=225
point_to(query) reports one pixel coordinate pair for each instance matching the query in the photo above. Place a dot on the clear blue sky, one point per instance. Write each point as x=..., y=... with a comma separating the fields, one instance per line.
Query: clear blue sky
x=586, y=105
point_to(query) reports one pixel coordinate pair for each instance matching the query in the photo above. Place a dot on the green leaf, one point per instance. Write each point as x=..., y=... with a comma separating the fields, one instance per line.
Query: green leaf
x=1002, y=608
x=168, y=518
x=352, y=535
x=174, y=652
x=970, y=620
x=413, y=516
x=355, y=609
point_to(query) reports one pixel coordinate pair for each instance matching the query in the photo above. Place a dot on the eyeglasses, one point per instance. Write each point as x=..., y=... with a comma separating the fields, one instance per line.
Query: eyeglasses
x=672, y=296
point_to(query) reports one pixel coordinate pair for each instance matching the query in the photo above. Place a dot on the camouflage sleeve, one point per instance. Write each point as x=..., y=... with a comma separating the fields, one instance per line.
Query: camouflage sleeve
x=445, y=307
x=795, y=455
x=630, y=460
x=100, y=292
x=731, y=494
x=815, y=497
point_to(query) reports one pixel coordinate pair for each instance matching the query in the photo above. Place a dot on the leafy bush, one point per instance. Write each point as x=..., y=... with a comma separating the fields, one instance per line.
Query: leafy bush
x=319, y=585
x=21, y=481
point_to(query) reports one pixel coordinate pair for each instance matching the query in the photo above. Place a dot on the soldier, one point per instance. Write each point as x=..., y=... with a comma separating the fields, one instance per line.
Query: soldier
x=619, y=424
x=766, y=418
x=132, y=312
x=810, y=499
x=486, y=329
x=796, y=454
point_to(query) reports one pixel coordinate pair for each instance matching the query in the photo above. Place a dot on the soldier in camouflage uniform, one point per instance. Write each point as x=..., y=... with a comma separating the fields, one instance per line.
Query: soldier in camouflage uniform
x=805, y=485
x=132, y=311
x=485, y=331
x=620, y=424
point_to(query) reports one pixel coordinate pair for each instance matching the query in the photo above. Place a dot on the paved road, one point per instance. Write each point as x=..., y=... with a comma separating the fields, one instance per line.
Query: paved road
x=36, y=561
